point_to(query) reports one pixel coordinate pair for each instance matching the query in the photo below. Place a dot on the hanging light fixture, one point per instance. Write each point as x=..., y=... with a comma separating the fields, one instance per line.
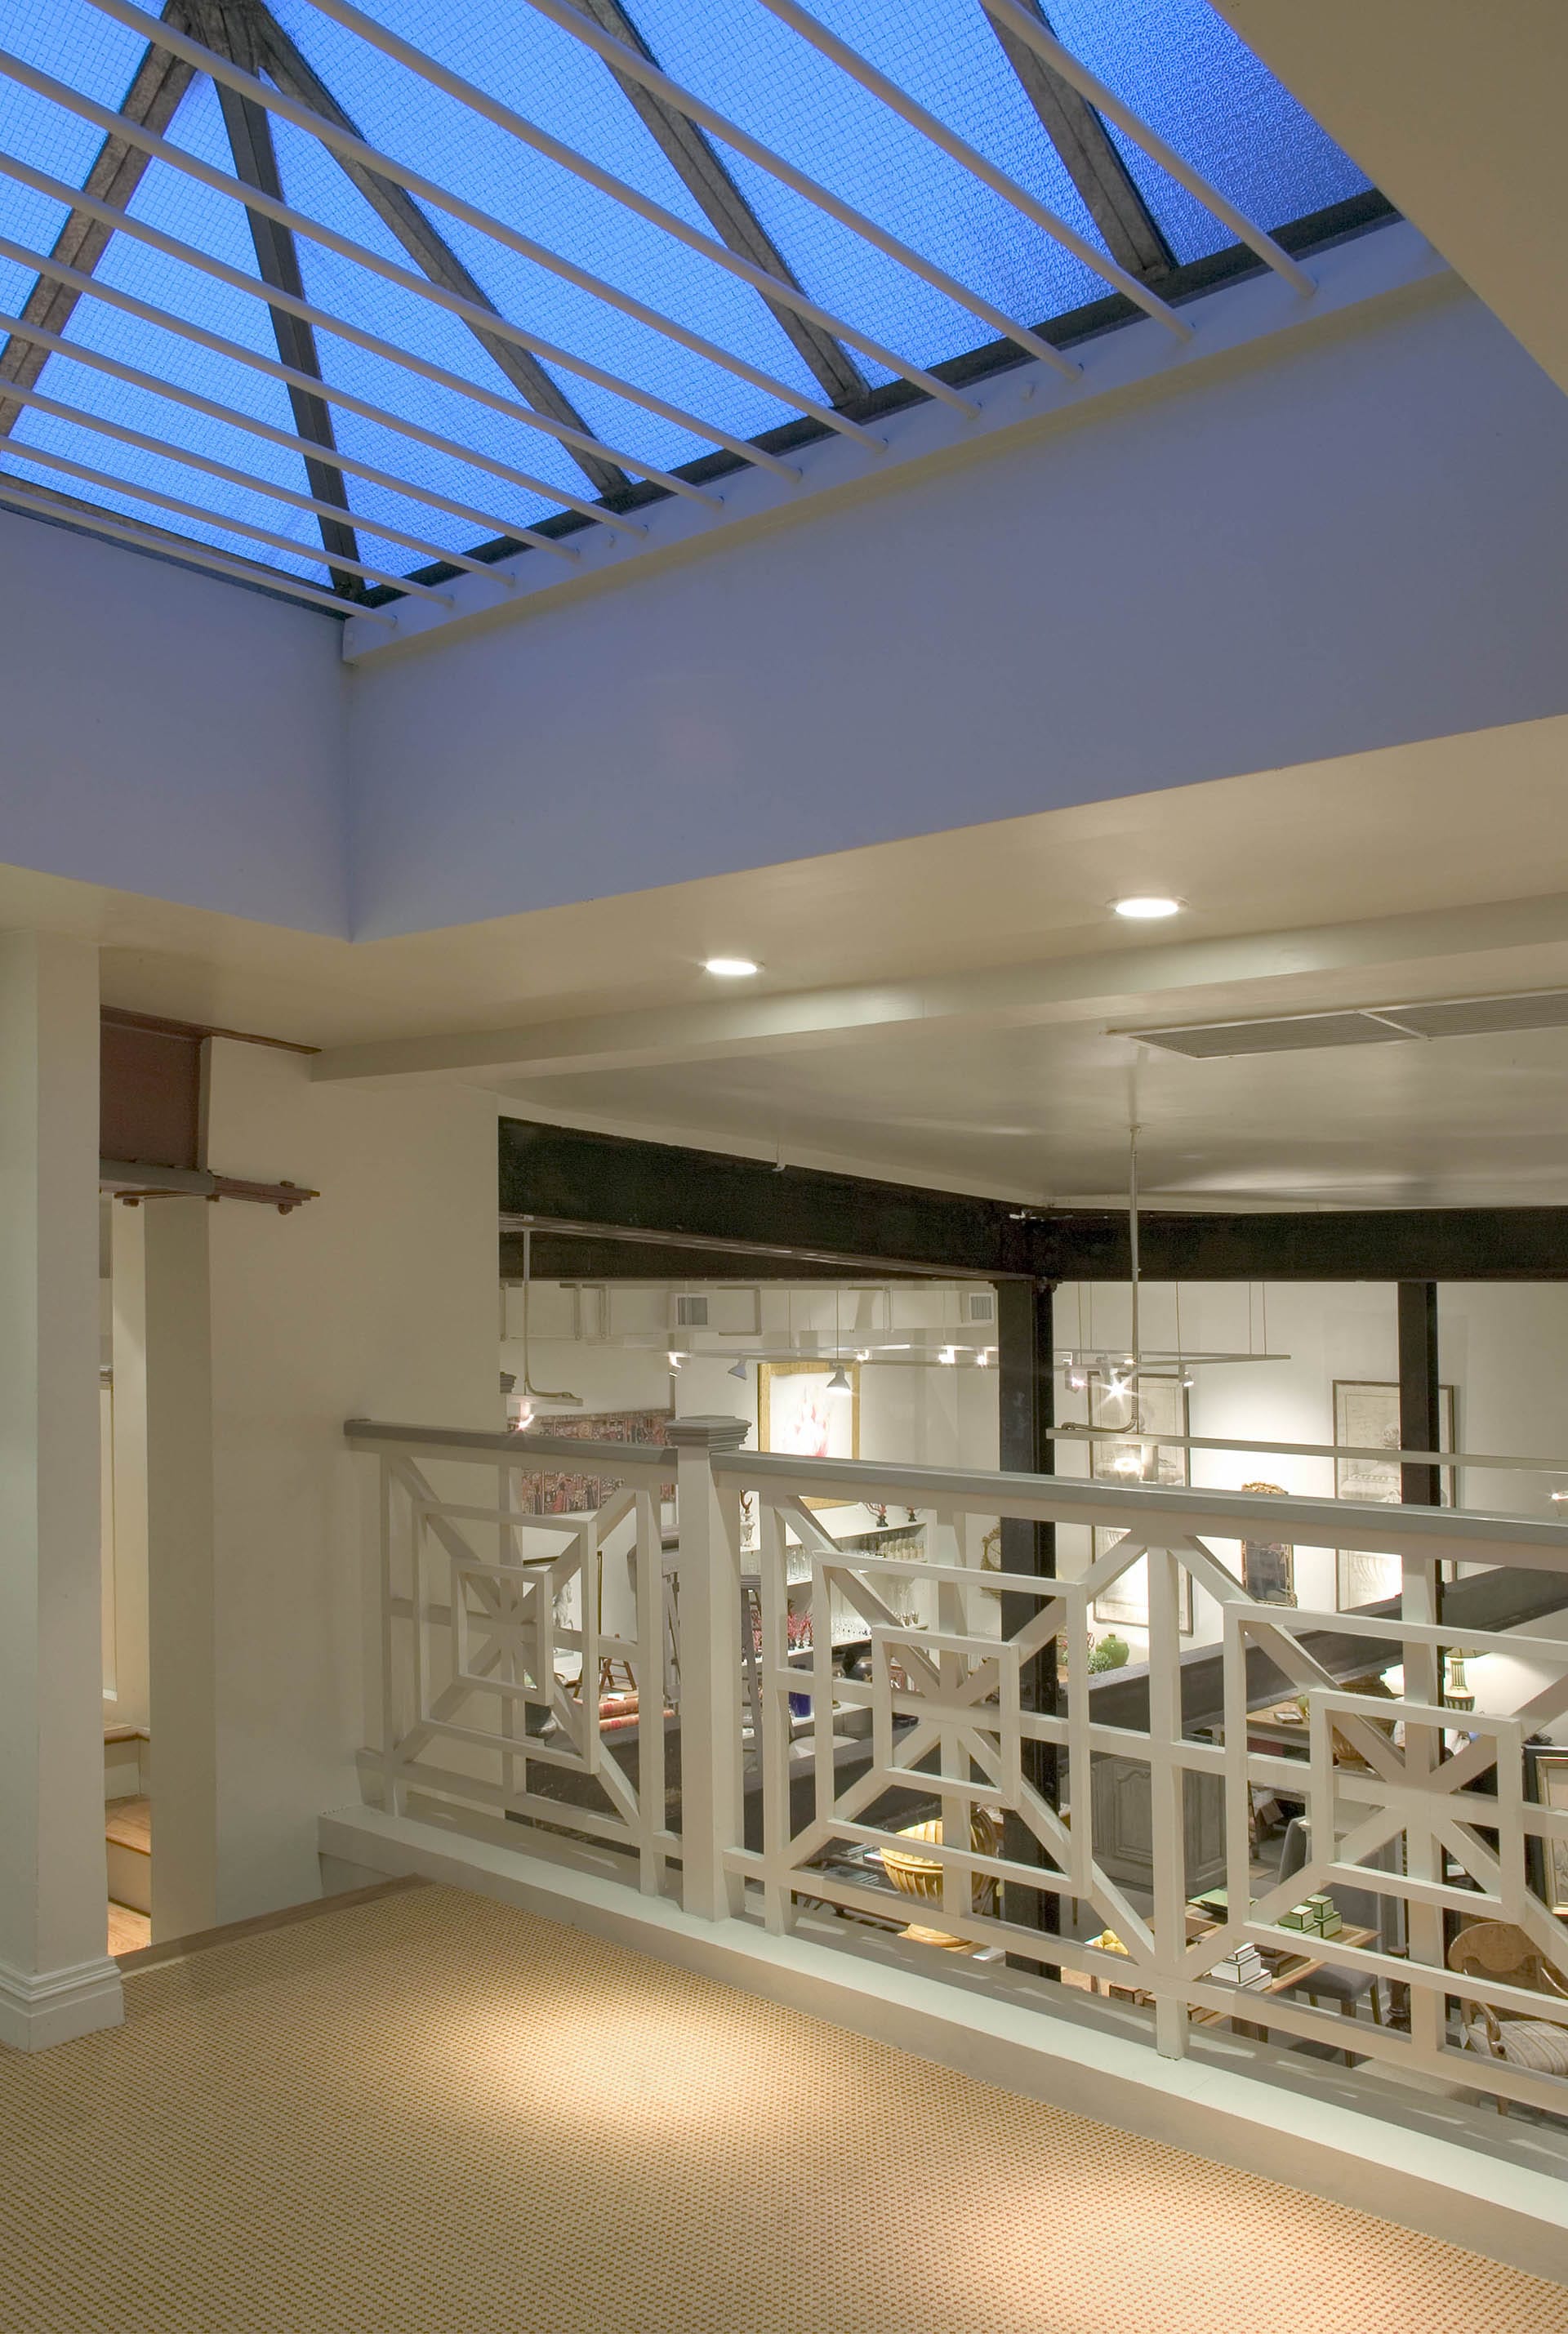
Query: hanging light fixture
x=839, y=1384
x=737, y=1370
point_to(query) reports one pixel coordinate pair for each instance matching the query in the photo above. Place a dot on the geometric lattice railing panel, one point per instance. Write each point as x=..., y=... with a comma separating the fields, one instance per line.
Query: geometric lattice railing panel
x=903, y=1729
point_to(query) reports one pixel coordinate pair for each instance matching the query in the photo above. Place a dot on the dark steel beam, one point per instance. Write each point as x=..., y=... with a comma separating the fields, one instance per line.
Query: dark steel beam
x=616, y=1187
x=1026, y=1402
x=423, y=242
x=1131, y=232
x=707, y=1198
x=228, y=29
x=696, y=163
x=1421, y=1395
x=156, y=89
x=1328, y=1244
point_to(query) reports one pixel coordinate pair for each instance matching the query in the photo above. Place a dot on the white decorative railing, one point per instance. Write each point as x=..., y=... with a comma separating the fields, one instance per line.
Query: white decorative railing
x=506, y=1634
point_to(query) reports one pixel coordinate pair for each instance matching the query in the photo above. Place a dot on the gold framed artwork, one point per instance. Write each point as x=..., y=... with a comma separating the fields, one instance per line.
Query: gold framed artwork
x=1268, y=1566
x=1154, y=1405
x=1367, y=1417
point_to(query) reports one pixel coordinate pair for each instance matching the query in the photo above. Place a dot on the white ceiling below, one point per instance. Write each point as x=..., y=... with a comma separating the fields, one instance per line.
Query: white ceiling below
x=1042, y=1114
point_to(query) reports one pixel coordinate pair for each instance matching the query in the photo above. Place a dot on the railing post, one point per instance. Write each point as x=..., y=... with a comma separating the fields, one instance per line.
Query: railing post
x=710, y=1746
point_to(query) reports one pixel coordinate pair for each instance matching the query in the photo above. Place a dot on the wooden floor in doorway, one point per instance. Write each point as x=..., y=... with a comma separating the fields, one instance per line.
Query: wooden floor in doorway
x=432, y=2113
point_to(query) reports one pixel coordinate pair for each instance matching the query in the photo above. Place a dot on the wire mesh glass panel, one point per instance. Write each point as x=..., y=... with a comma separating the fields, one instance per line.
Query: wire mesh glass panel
x=168, y=199
x=1184, y=72
x=542, y=74
x=779, y=88
x=71, y=41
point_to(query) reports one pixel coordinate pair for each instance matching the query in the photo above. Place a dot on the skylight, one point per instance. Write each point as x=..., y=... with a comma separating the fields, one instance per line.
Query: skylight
x=348, y=296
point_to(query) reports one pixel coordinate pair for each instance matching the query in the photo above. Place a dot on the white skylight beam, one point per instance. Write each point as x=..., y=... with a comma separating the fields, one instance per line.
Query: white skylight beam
x=898, y=101
x=1026, y=27
x=322, y=320
x=89, y=287
x=224, y=520
x=773, y=287
x=426, y=190
x=180, y=547
x=155, y=386
x=637, y=67
x=272, y=488
x=478, y=319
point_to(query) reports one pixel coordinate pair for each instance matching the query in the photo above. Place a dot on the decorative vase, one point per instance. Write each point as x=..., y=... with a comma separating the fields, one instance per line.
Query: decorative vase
x=921, y=1876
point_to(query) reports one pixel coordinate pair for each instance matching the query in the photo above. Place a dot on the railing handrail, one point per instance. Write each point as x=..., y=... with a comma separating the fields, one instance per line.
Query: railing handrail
x=1452, y=1535
x=1463, y=1536
x=654, y=1459
x=1077, y=1430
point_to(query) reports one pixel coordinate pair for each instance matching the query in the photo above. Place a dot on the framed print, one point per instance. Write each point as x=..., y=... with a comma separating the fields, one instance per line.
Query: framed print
x=797, y=1414
x=1367, y=1417
x=1153, y=1406
x=1127, y=1600
x=1548, y=1774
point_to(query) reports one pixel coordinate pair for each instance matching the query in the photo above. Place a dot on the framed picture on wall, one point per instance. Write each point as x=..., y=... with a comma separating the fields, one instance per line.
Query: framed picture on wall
x=1126, y=1600
x=798, y=1415
x=1367, y=1419
x=1548, y=1785
x=1152, y=1406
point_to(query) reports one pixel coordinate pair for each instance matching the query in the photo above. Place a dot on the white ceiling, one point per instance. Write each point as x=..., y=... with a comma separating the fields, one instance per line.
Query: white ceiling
x=1454, y=108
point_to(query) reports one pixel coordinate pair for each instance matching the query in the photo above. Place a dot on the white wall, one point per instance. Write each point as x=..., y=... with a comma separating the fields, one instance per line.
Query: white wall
x=376, y=1299
x=1341, y=542
x=1503, y=1348
x=167, y=733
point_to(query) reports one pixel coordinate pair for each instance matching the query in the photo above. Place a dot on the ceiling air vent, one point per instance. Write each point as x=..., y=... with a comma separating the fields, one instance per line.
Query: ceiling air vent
x=978, y=1306
x=1371, y=1025
x=691, y=1312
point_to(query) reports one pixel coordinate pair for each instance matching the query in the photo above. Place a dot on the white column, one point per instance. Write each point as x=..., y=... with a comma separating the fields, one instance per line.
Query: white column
x=180, y=1585
x=56, y=1979
x=129, y=1333
x=710, y=1754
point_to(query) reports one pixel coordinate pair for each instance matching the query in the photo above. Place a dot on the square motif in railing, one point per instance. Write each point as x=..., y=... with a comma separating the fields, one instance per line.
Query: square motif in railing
x=1357, y=1803
x=967, y=1688
x=504, y=1628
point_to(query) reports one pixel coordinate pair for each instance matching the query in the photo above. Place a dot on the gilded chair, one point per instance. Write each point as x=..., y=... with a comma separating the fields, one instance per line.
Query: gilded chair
x=1501, y=1952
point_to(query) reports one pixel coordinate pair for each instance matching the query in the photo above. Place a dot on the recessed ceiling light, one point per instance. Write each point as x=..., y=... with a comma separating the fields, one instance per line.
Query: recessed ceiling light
x=731, y=968
x=1147, y=907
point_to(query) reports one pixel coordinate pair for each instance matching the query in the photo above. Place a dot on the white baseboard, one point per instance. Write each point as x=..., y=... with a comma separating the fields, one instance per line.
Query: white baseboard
x=39, y=2008
x=1405, y=2173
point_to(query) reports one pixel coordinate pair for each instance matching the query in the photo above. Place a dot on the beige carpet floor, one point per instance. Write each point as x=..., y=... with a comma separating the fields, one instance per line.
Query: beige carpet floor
x=431, y=2114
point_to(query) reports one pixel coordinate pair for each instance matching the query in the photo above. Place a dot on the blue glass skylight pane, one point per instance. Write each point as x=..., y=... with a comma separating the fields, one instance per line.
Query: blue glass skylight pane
x=782, y=91
x=1186, y=73
x=73, y=43
x=166, y=198
x=313, y=183
x=541, y=73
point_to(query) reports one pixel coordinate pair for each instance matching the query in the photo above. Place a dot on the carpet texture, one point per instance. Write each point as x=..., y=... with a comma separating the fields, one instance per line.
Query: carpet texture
x=436, y=2115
